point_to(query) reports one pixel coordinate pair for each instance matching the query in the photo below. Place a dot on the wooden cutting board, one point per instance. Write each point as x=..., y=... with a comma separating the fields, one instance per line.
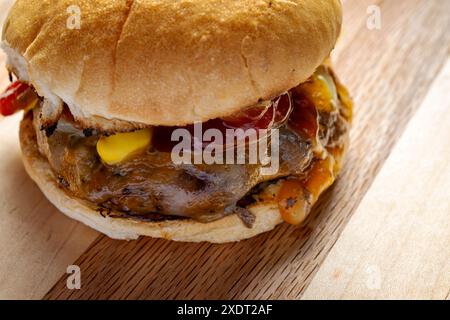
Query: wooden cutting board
x=383, y=231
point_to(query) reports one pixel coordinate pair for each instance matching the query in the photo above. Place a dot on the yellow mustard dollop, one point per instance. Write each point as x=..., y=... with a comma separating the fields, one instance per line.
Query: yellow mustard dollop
x=118, y=147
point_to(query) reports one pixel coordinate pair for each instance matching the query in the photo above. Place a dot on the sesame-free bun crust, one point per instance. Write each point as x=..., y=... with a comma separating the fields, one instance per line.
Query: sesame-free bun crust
x=167, y=62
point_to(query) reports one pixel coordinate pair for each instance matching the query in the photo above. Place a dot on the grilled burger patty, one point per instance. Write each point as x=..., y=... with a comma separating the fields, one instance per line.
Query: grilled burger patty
x=150, y=183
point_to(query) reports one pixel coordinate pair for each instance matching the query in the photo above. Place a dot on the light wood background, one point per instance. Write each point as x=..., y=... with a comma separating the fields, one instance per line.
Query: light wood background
x=383, y=231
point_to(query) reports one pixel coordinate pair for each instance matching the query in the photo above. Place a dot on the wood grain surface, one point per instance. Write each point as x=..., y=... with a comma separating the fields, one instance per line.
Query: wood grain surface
x=395, y=74
x=397, y=242
x=37, y=243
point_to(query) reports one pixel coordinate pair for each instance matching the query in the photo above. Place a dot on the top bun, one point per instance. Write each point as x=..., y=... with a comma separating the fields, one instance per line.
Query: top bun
x=162, y=62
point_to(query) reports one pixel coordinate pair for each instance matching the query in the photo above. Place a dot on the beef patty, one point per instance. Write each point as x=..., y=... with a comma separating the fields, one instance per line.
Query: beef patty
x=150, y=183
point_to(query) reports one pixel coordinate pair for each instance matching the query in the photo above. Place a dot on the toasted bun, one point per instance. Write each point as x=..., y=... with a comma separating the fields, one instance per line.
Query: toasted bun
x=167, y=62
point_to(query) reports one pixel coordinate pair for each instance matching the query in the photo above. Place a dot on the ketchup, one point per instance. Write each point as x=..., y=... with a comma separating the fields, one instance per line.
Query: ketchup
x=10, y=100
x=261, y=117
x=258, y=117
x=303, y=119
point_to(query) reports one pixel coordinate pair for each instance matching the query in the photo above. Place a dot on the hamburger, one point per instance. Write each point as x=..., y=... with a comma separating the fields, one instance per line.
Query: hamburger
x=105, y=84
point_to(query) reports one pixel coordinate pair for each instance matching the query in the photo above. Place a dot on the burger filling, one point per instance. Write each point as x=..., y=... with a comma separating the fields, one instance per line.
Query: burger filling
x=131, y=174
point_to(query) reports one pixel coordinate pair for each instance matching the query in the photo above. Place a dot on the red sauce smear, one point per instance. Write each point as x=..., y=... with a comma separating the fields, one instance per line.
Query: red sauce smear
x=276, y=113
x=303, y=119
x=10, y=100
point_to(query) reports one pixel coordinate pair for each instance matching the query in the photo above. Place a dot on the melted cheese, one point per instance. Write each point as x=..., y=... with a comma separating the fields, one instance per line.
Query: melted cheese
x=321, y=90
x=296, y=196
